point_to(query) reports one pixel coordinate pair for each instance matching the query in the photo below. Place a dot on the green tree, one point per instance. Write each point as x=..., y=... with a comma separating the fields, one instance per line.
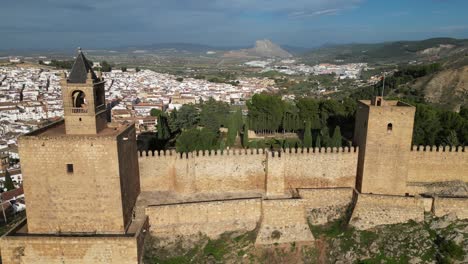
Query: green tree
x=214, y=114
x=164, y=133
x=232, y=131
x=245, y=136
x=105, y=66
x=318, y=144
x=336, y=138
x=309, y=111
x=196, y=139
x=426, y=125
x=325, y=137
x=8, y=181
x=155, y=112
x=185, y=118
x=308, y=135
x=265, y=112
x=452, y=139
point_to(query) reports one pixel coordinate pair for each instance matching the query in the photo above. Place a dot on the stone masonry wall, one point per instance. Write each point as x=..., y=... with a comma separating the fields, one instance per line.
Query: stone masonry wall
x=70, y=250
x=248, y=171
x=213, y=172
x=93, y=190
x=322, y=168
x=432, y=164
x=211, y=218
x=373, y=210
x=444, y=206
x=326, y=205
x=283, y=221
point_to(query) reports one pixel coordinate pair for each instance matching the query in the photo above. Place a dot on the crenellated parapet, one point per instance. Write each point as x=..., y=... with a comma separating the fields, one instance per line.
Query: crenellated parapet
x=245, y=152
x=428, y=148
x=201, y=153
x=297, y=151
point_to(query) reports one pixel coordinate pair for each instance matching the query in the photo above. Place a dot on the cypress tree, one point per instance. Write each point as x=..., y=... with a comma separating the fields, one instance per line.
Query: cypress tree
x=308, y=135
x=336, y=139
x=232, y=131
x=245, y=138
x=8, y=181
x=163, y=128
x=325, y=140
x=318, y=144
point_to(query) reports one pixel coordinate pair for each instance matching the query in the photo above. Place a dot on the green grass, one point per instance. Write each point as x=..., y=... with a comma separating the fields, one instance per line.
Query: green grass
x=216, y=248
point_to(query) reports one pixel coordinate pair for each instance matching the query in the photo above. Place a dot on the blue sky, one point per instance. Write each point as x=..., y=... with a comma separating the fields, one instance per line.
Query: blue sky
x=66, y=24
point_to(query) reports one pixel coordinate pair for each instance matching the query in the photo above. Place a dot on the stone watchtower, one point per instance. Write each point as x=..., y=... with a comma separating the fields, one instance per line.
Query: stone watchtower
x=383, y=132
x=81, y=183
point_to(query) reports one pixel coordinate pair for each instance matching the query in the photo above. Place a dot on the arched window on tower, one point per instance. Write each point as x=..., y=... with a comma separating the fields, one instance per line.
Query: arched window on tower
x=79, y=99
x=389, y=128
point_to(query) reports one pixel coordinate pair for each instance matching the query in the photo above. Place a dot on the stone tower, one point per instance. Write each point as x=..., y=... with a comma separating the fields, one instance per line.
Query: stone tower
x=383, y=132
x=81, y=183
x=83, y=99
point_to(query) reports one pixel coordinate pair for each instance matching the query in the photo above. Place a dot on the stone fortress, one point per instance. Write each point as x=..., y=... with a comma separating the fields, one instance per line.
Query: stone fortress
x=91, y=199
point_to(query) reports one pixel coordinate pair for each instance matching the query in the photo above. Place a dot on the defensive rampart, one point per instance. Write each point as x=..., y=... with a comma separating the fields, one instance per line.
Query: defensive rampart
x=326, y=205
x=211, y=217
x=437, y=164
x=248, y=170
x=449, y=205
x=374, y=210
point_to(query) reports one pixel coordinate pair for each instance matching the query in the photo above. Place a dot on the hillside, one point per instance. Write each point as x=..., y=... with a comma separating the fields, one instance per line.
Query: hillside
x=448, y=87
x=389, y=52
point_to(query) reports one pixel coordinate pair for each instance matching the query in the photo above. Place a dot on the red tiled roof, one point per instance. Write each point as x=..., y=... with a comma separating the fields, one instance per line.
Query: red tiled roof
x=12, y=194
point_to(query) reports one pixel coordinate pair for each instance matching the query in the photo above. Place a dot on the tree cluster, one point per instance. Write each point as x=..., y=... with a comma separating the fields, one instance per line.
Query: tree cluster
x=313, y=118
x=434, y=126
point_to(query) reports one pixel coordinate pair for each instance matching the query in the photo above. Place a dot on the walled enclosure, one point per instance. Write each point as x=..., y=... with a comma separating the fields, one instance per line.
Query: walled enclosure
x=252, y=171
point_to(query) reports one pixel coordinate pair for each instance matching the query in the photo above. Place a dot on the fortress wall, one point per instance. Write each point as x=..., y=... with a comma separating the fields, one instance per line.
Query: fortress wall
x=231, y=171
x=373, y=210
x=283, y=221
x=72, y=250
x=211, y=218
x=246, y=170
x=432, y=164
x=322, y=168
x=325, y=205
x=157, y=173
x=445, y=206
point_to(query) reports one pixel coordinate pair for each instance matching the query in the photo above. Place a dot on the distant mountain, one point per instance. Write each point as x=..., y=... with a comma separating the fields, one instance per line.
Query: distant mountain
x=188, y=47
x=389, y=52
x=262, y=49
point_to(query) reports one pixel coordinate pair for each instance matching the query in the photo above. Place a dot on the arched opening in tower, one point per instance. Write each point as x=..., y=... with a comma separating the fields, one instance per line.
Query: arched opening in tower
x=79, y=99
x=389, y=128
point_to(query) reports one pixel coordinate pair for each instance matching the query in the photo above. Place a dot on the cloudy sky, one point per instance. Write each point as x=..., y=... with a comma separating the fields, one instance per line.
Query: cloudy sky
x=306, y=23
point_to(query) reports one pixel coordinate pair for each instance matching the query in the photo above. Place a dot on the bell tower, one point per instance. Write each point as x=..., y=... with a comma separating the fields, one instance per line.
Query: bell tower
x=84, y=100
